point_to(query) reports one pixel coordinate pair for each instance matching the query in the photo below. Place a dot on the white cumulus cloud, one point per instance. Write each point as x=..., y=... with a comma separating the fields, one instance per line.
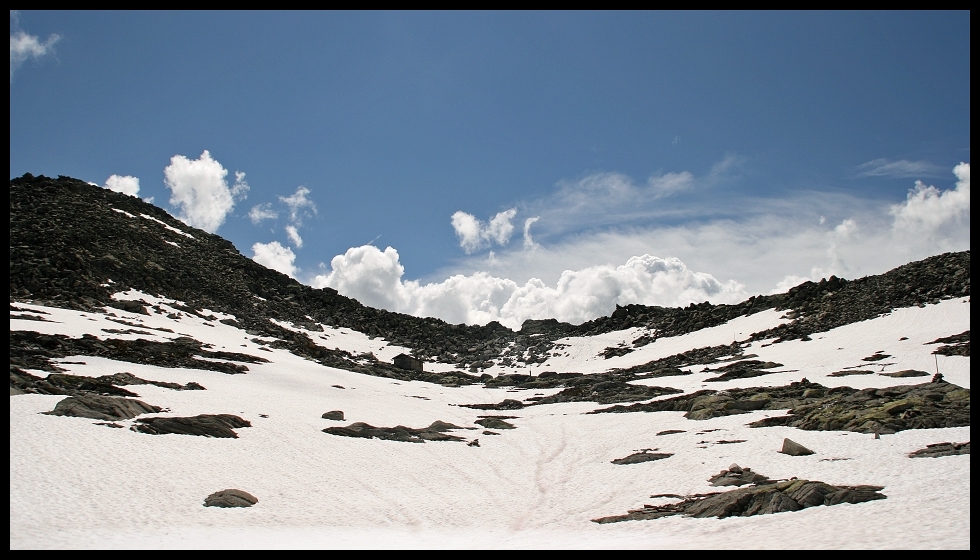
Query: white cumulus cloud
x=200, y=192
x=374, y=277
x=275, y=256
x=125, y=184
x=475, y=235
x=927, y=210
x=24, y=46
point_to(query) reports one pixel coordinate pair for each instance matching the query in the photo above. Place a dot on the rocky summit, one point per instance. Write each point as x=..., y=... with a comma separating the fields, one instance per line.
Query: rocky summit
x=153, y=363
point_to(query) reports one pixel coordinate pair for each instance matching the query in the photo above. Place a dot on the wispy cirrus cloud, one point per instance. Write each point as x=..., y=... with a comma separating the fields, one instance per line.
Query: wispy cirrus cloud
x=899, y=169
x=24, y=46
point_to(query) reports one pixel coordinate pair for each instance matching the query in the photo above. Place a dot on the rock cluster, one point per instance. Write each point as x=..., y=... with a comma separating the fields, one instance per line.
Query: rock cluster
x=209, y=425
x=735, y=475
x=32, y=350
x=944, y=449
x=789, y=495
x=955, y=345
x=434, y=432
x=815, y=407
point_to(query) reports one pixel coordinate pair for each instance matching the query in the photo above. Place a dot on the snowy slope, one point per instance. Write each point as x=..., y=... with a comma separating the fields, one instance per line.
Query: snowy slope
x=74, y=483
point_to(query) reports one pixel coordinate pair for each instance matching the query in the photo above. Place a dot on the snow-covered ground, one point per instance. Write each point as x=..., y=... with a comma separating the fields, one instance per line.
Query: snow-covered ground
x=77, y=484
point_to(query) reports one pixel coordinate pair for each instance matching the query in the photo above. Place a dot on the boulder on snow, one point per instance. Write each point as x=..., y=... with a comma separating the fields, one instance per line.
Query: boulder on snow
x=333, y=415
x=209, y=425
x=790, y=447
x=230, y=497
x=102, y=407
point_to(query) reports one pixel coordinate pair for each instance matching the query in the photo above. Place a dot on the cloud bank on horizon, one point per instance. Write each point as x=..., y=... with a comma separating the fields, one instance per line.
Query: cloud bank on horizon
x=602, y=255
x=871, y=240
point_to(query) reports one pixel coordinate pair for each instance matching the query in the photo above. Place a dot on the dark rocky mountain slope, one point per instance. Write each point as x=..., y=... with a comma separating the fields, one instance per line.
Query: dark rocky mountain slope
x=73, y=244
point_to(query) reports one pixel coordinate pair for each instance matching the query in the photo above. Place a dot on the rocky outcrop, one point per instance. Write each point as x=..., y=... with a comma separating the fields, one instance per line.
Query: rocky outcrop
x=230, y=497
x=102, y=408
x=955, y=345
x=434, y=432
x=69, y=238
x=815, y=407
x=735, y=475
x=779, y=497
x=333, y=415
x=32, y=350
x=641, y=457
x=496, y=422
x=743, y=369
x=208, y=425
x=944, y=449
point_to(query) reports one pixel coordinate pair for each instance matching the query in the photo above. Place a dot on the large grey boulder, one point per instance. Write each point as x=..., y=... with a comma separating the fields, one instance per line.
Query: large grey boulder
x=333, y=415
x=230, y=498
x=102, y=407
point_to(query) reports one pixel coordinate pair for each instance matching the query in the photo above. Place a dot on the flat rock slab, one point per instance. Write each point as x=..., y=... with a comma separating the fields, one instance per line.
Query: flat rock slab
x=333, y=415
x=906, y=373
x=102, y=407
x=790, y=495
x=434, y=432
x=506, y=404
x=942, y=450
x=208, y=425
x=641, y=457
x=495, y=423
x=230, y=498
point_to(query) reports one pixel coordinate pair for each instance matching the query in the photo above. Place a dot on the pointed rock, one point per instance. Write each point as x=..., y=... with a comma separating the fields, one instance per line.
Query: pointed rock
x=790, y=447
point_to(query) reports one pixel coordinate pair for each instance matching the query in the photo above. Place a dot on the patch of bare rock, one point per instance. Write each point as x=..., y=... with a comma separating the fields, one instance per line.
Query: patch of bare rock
x=208, y=425
x=434, y=432
x=101, y=407
x=759, y=498
x=812, y=406
x=641, y=457
x=944, y=449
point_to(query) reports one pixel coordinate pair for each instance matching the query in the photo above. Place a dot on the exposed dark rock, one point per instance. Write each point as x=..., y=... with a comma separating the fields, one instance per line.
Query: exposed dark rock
x=877, y=356
x=506, y=404
x=102, y=408
x=815, y=407
x=474, y=443
x=604, y=389
x=790, y=495
x=404, y=361
x=671, y=365
x=846, y=372
x=495, y=422
x=333, y=415
x=790, y=447
x=230, y=498
x=905, y=373
x=955, y=345
x=435, y=432
x=738, y=476
x=743, y=369
x=209, y=425
x=668, y=432
x=29, y=349
x=641, y=457
x=942, y=450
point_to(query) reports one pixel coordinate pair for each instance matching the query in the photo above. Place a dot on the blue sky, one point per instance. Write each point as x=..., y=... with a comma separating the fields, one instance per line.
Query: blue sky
x=740, y=152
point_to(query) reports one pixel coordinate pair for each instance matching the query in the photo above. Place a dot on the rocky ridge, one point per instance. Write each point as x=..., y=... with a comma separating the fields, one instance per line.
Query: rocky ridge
x=73, y=244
